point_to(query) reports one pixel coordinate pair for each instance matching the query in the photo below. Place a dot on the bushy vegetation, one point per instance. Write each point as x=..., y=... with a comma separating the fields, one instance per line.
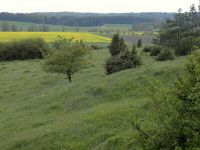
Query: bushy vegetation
x=123, y=61
x=32, y=48
x=172, y=119
x=95, y=47
x=155, y=50
x=165, y=54
x=68, y=57
x=121, y=58
x=162, y=53
x=147, y=49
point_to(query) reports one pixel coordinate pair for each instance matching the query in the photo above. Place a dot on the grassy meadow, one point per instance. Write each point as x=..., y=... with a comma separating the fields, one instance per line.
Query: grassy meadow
x=51, y=36
x=40, y=110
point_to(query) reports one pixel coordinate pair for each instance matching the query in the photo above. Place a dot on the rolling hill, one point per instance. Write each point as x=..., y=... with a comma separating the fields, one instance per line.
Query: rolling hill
x=43, y=111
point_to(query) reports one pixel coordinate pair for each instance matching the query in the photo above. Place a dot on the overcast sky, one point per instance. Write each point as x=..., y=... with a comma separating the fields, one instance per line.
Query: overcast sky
x=103, y=6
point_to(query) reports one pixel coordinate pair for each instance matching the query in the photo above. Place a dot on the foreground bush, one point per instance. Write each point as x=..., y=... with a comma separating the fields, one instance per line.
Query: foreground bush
x=23, y=49
x=166, y=54
x=172, y=119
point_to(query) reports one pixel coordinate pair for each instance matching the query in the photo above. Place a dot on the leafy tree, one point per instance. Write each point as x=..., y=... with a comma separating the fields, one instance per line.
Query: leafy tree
x=172, y=118
x=139, y=43
x=67, y=59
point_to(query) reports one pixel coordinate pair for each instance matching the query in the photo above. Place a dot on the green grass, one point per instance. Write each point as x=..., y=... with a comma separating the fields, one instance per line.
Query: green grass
x=39, y=110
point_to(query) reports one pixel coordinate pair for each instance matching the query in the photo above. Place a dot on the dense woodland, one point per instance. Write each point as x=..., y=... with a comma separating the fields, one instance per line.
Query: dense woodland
x=88, y=19
x=181, y=33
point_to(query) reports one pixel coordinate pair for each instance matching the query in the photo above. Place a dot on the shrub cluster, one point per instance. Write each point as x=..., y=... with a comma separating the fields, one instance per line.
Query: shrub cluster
x=125, y=60
x=121, y=58
x=165, y=54
x=147, y=49
x=32, y=48
x=155, y=50
x=162, y=53
x=95, y=47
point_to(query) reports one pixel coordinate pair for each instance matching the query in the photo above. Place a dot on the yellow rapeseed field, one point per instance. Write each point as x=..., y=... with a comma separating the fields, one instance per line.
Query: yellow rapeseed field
x=50, y=36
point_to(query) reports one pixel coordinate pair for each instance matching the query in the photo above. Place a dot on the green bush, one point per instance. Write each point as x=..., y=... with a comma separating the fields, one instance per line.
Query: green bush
x=147, y=49
x=196, y=42
x=32, y=48
x=165, y=54
x=125, y=60
x=95, y=47
x=155, y=50
x=185, y=47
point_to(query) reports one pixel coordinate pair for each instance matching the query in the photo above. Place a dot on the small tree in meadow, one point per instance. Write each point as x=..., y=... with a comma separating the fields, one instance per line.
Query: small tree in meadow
x=67, y=59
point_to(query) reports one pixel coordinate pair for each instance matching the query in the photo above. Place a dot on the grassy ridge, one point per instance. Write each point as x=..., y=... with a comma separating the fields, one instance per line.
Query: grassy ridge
x=43, y=111
x=50, y=36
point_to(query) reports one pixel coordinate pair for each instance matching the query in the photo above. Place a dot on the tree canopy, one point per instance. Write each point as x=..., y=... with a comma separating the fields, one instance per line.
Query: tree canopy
x=68, y=57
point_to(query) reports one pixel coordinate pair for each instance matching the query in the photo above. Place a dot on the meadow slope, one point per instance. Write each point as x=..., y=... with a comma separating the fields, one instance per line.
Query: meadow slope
x=43, y=111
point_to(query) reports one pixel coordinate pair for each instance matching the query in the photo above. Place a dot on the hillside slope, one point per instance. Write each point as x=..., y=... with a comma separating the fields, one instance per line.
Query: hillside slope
x=43, y=111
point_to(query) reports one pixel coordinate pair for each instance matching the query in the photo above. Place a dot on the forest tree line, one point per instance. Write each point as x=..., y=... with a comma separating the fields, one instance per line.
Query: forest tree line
x=83, y=20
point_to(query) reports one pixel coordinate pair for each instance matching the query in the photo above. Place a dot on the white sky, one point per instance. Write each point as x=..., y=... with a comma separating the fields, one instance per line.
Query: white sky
x=103, y=6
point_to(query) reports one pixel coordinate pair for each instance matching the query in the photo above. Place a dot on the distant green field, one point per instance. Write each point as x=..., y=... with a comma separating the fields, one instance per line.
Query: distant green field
x=105, y=29
x=58, y=28
x=50, y=36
